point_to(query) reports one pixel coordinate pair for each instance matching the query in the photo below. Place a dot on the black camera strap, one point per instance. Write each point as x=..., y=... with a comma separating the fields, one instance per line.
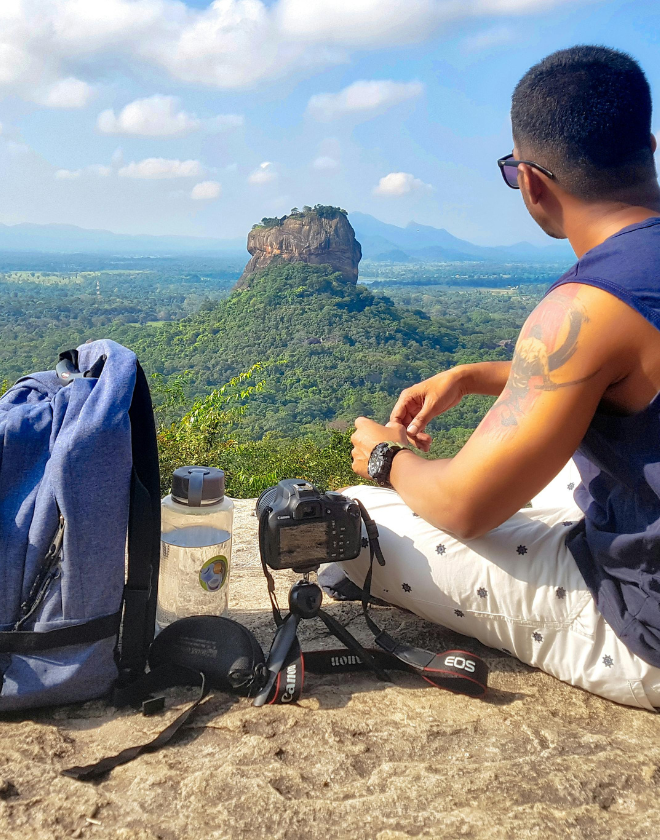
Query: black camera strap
x=153, y=681
x=221, y=654
x=337, y=630
x=455, y=670
x=270, y=582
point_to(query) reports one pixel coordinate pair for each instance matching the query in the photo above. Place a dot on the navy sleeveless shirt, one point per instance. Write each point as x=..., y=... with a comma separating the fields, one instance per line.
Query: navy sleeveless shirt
x=617, y=544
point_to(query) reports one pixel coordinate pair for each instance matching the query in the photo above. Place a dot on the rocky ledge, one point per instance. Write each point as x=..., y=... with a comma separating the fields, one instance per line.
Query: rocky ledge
x=319, y=236
x=355, y=760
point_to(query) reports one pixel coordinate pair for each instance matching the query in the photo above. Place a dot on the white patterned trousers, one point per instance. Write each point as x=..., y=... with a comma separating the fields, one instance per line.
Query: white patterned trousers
x=517, y=589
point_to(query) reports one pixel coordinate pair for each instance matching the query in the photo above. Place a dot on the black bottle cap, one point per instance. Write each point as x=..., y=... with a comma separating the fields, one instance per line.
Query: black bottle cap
x=198, y=486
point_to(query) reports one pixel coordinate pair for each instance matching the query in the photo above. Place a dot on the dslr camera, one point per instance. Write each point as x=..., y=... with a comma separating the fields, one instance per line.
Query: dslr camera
x=300, y=528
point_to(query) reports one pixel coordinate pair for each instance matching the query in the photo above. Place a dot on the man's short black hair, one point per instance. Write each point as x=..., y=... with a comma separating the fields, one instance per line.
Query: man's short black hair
x=585, y=112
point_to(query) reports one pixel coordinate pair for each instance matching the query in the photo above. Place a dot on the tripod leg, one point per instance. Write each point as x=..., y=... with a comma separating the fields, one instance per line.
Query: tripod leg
x=284, y=638
x=352, y=643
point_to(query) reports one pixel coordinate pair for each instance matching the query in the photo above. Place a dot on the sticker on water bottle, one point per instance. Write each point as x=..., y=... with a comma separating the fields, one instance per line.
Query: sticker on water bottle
x=213, y=573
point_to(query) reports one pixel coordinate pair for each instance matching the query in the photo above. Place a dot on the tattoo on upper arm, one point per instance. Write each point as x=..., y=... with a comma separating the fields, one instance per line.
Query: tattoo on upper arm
x=538, y=359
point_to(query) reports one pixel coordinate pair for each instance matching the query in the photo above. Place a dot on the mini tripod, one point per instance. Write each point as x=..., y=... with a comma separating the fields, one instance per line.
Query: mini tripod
x=305, y=598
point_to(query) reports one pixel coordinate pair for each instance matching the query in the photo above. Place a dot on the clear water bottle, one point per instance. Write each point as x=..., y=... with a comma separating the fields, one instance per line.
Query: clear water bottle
x=195, y=546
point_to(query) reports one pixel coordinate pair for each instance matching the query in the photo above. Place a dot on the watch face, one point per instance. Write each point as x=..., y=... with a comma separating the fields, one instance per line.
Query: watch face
x=375, y=463
x=377, y=459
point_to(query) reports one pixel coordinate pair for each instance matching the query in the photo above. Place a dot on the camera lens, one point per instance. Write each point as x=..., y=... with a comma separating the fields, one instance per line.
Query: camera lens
x=265, y=499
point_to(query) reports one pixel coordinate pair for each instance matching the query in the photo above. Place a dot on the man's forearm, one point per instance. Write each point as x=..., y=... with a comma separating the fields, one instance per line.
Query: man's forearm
x=424, y=485
x=487, y=378
x=420, y=485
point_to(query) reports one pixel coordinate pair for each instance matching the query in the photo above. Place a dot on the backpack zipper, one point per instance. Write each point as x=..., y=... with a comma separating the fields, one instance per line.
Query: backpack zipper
x=50, y=571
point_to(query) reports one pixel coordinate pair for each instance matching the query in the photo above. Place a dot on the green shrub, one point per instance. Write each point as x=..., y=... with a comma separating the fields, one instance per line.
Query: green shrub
x=209, y=434
x=255, y=465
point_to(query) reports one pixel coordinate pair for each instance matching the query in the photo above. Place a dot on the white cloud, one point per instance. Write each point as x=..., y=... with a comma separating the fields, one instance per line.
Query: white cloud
x=400, y=183
x=361, y=23
x=264, y=174
x=224, y=122
x=100, y=170
x=15, y=148
x=160, y=116
x=158, y=168
x=46, y=44
x=375, y=24
x=0, y=128
x=364, y=98
x=489, y=38
x=206, y=190
x=324, y=163
x=97, y=169
x=157, y=116
x=512, y=7
x=67, y=93
x=68, y=174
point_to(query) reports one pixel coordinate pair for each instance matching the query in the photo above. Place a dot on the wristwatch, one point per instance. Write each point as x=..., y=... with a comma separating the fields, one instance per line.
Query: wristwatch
x=380, y=461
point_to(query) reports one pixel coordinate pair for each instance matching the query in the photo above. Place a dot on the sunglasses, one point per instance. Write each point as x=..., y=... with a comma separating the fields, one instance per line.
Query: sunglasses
x=509, y=169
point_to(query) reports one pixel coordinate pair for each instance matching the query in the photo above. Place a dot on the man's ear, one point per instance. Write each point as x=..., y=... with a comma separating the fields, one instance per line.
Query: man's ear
x=531, y=182
x=654, y=143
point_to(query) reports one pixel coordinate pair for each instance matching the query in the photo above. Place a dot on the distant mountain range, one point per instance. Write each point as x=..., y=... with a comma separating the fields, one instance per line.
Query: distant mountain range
x=422, y=243
x=379, y=241
x=69, y=239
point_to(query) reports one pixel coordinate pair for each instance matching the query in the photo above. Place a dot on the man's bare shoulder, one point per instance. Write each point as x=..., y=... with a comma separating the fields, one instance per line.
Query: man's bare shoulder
x=565, y=331
x=621, y=338
x=608, y=325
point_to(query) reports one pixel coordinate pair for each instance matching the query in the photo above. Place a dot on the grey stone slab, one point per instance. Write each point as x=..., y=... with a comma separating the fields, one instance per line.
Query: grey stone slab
x=355, y=759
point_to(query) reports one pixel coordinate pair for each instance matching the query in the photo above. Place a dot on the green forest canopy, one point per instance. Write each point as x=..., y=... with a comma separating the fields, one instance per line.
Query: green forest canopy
x=325, y=352
x=334, y=350
x=323, y=211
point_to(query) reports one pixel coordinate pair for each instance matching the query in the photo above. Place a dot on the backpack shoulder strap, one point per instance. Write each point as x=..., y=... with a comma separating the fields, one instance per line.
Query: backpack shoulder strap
x=141, y=586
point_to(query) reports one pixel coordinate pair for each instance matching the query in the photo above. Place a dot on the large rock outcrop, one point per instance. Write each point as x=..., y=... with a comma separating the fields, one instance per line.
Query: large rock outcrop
x=319, y=236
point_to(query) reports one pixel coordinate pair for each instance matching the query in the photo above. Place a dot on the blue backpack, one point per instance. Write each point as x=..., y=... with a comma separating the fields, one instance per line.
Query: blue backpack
x=79, y=528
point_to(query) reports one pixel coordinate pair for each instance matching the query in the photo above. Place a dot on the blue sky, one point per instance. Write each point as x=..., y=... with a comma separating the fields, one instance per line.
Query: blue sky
x=155, y=116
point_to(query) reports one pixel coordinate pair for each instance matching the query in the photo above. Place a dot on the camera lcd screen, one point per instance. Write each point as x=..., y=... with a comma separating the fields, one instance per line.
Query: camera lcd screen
x=305, y=543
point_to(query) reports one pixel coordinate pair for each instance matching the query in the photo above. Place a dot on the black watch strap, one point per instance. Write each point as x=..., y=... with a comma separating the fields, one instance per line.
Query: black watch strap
x=380, y=461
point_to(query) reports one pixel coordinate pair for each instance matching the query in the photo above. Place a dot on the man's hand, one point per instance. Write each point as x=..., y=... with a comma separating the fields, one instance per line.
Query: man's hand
x=369, y=434
x=421, y=403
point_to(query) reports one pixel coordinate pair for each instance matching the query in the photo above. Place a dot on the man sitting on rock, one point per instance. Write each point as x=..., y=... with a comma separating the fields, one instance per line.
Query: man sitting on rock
x=574, y=590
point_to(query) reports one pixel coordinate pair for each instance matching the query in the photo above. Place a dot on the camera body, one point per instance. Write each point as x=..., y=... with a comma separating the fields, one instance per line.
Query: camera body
x=300, y=528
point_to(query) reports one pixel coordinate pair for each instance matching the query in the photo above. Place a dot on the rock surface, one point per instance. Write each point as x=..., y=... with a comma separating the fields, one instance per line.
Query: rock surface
x=304, y=237
x=355, y=759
